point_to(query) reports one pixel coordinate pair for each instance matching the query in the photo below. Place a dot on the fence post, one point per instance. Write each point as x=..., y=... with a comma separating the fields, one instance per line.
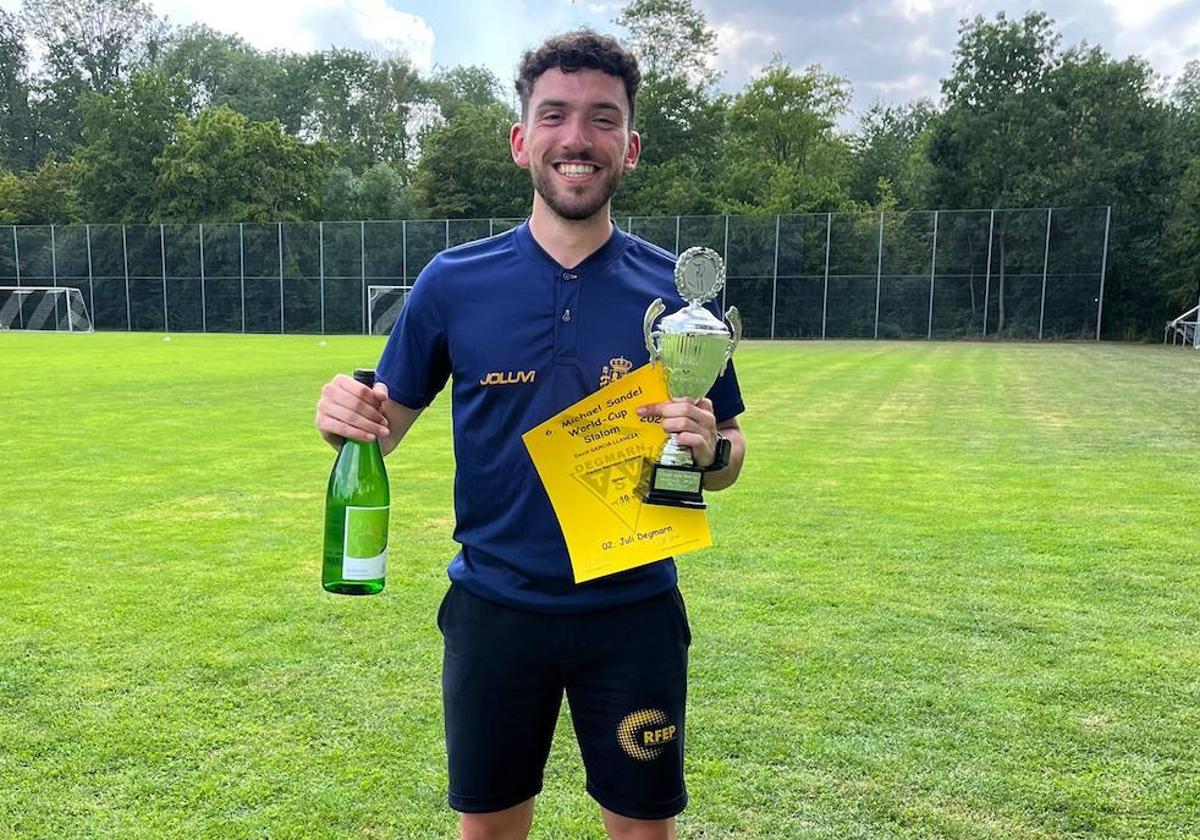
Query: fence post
x=932, y=275
x=1045, y=267
x=447, y=234
x=825, y=294
x=775, y=278
x=203, y=290
x=87, y=233
x=362, y=268
x=879, y=274
x=491, y=227
x=242, y=268
x=404, y=249
x=54, y=258
x=677, y=236
x=321, y=269
x=125, y=259
x=725, y=256
x=17, y=264
x=987, y=283
x=1103, y=269
x=162, y=256
x=279, y=227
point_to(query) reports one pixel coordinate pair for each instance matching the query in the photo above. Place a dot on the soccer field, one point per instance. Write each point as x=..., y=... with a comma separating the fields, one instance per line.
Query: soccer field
x=955, y=594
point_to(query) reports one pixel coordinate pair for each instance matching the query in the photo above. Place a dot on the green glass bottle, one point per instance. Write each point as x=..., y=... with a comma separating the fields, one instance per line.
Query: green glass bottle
x=357, y=504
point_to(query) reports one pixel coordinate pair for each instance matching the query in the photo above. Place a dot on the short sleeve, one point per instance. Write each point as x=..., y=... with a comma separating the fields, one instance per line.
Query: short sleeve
x=415, y=364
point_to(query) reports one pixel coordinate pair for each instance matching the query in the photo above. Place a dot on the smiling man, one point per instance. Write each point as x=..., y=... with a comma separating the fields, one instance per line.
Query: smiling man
x=527, y=323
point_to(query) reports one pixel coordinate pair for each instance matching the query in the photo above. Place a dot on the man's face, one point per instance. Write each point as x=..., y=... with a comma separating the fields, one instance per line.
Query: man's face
x=576, y=141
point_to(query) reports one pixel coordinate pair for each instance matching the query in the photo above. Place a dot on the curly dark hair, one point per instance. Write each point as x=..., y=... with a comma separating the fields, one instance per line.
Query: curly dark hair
x=577, y=50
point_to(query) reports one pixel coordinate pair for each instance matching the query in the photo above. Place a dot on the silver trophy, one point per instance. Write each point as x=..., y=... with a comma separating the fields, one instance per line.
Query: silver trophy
x=694, y=348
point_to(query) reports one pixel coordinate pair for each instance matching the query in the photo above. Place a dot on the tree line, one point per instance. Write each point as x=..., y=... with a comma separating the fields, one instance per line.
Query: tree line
x=126, y=119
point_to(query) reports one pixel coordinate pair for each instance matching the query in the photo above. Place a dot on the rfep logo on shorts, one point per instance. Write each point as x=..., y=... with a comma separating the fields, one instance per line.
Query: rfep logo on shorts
x=644, y=734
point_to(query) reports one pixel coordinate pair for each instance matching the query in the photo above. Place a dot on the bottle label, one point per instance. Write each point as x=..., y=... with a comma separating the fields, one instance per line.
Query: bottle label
x=365, y=554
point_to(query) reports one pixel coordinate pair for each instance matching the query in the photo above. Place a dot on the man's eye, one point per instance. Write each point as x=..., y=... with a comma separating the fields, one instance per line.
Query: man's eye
x=552, y=116
x=607, y=122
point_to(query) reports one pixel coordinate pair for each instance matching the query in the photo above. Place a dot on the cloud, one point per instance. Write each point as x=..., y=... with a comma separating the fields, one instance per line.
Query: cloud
x=304, y=25
x=897, y=50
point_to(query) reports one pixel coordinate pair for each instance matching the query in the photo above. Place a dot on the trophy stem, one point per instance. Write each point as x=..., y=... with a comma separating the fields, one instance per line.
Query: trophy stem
x=675, y=455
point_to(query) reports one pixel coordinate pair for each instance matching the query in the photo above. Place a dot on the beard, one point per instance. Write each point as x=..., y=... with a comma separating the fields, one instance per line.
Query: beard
x=574, y=203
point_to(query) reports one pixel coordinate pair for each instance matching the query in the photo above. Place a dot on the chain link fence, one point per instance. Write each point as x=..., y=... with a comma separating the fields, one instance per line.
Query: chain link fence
x=1021, y=274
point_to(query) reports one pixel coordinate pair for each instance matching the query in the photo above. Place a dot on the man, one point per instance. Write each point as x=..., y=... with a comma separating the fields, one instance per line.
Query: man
x=560, y=300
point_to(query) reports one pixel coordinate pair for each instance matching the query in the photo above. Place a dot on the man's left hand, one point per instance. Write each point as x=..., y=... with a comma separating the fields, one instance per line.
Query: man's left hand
x=694, y=425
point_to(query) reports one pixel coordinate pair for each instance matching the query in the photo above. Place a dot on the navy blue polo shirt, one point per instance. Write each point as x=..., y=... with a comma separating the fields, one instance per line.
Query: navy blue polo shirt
x=523, y=339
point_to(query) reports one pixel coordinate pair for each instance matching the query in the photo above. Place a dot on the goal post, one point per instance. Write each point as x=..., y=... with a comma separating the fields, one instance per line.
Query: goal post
x=43, y=309
x=383, y=307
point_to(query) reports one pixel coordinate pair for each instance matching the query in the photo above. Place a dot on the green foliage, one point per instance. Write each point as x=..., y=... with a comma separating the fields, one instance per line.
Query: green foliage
x=124, y=132
x=16, y=123
x=380, y=193
x=670, y=38
x=221, y=69
x=1183, y=240
x=885, y=149
x=783, y=154
x=466, y=168
x=43, y=196
x=451, y=88
x=220, y=166
x=10, y=198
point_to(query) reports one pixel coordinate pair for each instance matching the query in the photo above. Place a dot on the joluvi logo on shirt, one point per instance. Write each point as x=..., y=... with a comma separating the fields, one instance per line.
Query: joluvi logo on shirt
x=508, y=377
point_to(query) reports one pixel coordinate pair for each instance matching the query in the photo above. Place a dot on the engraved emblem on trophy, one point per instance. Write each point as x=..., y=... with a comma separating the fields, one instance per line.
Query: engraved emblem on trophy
x=694, y=349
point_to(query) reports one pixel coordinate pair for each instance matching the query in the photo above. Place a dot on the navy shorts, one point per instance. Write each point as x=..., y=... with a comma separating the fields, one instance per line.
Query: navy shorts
x=624, y=673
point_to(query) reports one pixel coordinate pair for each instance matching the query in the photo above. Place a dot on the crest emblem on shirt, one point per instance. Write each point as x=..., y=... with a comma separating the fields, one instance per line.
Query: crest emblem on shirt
x=614, y=370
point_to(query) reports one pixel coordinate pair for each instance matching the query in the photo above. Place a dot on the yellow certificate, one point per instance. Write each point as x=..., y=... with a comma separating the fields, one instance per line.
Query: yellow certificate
x=589, y=458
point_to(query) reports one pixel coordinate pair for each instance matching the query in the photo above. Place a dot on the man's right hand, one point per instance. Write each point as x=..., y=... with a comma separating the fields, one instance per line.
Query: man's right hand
x=349, y=409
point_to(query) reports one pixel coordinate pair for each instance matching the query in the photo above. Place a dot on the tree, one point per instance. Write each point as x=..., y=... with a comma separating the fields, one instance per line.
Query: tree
x=454, y=87
x=100, y=41
x=221, y=69
x=466, y=169
x=1183, y=241
x=360, y=106
x=88, y=46
x=16, y=127
x=124, y=132
x=783, y=155
x=670, y=38
x=883, y=151
x=220, y=166
x=42, y=196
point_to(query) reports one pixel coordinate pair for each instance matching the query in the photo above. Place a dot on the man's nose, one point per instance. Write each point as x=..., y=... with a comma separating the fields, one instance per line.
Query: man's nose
x=577, y=134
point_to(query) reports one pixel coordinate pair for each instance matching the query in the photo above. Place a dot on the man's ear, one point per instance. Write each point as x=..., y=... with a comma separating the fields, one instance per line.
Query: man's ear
x=634, y=152
x=516, y=142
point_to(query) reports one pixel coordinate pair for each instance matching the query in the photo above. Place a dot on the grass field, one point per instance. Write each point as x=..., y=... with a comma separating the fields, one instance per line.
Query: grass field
x=955, y=594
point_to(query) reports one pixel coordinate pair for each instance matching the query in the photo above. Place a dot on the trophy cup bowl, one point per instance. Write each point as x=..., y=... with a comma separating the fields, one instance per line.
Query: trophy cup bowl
x=694, y=348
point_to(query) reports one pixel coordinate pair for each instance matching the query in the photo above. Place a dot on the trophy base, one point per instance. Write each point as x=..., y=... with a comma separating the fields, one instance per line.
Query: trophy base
x=674, y=486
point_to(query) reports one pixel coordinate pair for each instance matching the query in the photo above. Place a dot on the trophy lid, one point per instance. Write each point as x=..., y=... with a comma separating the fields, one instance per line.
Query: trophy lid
x=699, y=275
x=694, y=320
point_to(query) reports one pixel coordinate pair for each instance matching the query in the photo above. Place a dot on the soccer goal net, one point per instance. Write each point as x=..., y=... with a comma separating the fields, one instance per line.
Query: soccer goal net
x=50, y=309
x=383, y=307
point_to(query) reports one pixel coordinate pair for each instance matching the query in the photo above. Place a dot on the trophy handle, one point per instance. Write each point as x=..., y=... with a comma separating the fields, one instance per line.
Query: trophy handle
x=656, y=308
x=735, y=321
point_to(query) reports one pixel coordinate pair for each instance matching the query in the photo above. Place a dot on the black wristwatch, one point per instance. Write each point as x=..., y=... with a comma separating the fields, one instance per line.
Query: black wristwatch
x=720, y=454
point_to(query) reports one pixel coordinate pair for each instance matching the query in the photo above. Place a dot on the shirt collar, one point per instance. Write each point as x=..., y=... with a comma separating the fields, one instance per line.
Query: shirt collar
x=599, y=258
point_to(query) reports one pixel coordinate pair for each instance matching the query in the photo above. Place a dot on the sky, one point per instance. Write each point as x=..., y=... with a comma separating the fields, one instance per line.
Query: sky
x=889, y=50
